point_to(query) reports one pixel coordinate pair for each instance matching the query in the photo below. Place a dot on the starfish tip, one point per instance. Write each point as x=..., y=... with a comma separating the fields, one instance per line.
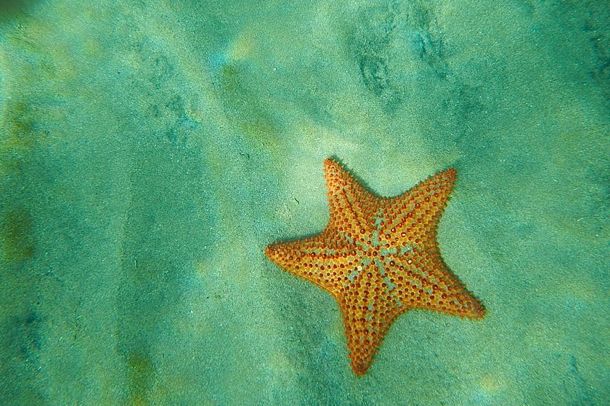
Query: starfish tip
x=330, y=162
x=480, y=313
x=269, y=250
x=449, y=174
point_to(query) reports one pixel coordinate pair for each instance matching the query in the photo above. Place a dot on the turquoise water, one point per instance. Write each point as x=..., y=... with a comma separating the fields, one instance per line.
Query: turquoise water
x=149, y=153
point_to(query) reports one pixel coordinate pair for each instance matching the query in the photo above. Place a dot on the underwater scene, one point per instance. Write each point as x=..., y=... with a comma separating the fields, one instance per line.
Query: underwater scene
x=317, y=202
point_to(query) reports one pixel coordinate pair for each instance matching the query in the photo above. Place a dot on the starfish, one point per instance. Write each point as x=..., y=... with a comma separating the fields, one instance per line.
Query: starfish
x=378, y=257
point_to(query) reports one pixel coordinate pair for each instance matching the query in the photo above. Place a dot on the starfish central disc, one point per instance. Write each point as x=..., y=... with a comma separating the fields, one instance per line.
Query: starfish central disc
x=379, y=258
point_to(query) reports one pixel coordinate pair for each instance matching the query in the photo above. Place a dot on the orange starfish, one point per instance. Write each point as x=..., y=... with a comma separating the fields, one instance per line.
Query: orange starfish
x=379, y=258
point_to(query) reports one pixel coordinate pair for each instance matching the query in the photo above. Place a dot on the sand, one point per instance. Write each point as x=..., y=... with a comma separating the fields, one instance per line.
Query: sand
x=149, y=151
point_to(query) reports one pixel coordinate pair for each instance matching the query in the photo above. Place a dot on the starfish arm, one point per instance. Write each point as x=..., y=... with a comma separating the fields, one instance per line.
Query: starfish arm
x=424, y=281
x=415, y=214
x=348, y=201
x=316, y=259
x=368, y=310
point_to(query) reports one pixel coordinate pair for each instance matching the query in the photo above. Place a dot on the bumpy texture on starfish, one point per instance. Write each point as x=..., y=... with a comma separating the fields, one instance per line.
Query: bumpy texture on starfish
x=379, y=258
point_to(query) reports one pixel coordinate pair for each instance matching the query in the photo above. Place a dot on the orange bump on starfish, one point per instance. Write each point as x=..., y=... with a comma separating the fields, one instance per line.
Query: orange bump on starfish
x=379, y=258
